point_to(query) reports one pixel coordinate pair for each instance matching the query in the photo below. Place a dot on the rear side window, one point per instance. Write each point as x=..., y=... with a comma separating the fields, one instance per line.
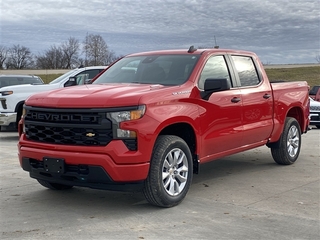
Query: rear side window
x=314, y=90
x=246, y=70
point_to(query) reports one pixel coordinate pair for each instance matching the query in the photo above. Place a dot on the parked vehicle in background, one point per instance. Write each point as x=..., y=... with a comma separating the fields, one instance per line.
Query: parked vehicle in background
x=151, y=119
x=11, y=80
x=12, y=98
x=314, y=93
x=314, y=113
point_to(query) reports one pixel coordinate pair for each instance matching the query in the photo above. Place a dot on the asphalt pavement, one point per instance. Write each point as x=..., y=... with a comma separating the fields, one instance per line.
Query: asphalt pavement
x=244, y=196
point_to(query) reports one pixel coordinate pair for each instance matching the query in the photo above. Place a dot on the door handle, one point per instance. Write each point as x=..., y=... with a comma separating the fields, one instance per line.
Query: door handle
x=235, y=100
x=266, y=96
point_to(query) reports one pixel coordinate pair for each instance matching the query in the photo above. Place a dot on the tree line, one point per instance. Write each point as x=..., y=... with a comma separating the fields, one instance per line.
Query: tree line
x=70, y=54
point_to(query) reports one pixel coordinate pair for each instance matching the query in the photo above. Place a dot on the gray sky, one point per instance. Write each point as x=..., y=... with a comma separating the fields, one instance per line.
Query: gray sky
x=279, y=31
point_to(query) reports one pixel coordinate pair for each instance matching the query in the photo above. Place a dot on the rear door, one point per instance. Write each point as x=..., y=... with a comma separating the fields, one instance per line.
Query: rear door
x=257, y=101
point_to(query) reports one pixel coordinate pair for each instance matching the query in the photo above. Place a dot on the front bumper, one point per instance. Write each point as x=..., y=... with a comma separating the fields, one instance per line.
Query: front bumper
x=314, y=118
x=113, y=167
x=78, y=175
x=7, y=118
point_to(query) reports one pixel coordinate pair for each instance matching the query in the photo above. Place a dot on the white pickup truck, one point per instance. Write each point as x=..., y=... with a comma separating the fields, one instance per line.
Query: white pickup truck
x=12, y=97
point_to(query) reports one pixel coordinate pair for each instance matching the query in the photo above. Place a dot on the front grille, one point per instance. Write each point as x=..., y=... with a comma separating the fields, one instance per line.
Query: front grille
x=84, y=127
x=68, y=135
x=315, y=108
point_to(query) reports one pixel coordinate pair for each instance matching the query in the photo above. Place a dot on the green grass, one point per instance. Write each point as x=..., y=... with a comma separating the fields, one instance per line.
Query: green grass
x=49, y=77
x=309, y=74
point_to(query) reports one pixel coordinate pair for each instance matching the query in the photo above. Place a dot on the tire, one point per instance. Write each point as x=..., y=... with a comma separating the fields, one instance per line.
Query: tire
x=170, y=173
x=287, y=149
x=318, y=126
x=54, y=186
x=19, y=114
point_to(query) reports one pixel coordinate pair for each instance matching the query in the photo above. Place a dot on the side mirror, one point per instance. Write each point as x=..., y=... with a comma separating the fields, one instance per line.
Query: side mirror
x=71, y=82
x=88, y=81
x=212, y=85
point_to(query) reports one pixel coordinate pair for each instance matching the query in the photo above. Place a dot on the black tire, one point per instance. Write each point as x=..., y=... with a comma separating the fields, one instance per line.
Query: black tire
x=287, y=149
x=169, y=180
x=318, y=126
x=54, y=186
x=19, y=114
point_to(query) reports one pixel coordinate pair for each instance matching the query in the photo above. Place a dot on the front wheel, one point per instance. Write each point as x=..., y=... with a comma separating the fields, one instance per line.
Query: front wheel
x=53, y=186
x=287, y=149
x=170, y=173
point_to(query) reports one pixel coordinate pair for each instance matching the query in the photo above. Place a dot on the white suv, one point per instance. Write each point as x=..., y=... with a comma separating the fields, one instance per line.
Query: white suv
x=12, y=97
x=314, y=113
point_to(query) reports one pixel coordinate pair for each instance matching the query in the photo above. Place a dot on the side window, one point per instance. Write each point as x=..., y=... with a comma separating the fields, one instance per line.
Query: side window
x=91, y=73
x=85, y=75
x=215, y=67
x=246, y=70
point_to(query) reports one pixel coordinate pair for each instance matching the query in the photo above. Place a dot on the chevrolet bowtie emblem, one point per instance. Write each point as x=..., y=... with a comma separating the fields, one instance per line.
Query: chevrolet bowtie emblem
x=90, y=134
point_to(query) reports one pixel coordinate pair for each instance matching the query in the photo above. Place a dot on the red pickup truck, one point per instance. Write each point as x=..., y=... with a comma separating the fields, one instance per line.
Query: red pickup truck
x=151, y=119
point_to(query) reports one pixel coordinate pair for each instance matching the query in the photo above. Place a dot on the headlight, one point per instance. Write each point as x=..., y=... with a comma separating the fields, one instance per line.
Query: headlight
x=118, y=117
x=6, y=93
x=24, y=112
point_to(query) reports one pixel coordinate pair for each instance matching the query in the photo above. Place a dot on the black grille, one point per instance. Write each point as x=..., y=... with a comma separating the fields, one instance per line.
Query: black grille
x=68, y=135
x=315, y=108
x=86, y=127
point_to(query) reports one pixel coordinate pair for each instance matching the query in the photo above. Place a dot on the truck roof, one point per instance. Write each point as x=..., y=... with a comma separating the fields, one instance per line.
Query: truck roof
x=192, y=51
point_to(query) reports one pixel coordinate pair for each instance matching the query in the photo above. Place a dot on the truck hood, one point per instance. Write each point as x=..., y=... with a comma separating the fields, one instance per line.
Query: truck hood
x=95, y=96
x=28, y=88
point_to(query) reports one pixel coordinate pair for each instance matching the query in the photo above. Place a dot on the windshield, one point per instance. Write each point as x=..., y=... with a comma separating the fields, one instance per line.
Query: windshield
x=64, y=76
x=151, y=69
x=18, y=80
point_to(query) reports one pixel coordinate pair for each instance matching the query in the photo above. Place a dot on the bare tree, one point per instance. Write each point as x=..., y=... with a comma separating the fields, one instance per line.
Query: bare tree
x=71, y=51
x=112, y=57
x=96, y=50
x=3, y=56
x=19, y=57
x=52, y=59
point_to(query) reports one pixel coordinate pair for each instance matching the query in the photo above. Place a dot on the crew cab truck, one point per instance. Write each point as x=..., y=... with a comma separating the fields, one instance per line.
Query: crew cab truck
x=151, y=119
x=12, y=97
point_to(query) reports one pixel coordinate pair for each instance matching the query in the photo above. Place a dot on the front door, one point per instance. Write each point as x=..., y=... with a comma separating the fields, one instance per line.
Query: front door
x=221, y=114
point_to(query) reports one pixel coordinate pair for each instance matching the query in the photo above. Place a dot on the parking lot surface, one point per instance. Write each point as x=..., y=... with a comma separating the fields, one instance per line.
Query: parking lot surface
x=244, y=196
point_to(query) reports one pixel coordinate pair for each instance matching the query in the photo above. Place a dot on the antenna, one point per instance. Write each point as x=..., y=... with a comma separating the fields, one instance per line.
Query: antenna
x=215, y=43
x=192, y=49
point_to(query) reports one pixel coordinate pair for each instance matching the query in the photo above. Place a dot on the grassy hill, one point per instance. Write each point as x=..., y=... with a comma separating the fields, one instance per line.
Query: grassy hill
x=309, y=74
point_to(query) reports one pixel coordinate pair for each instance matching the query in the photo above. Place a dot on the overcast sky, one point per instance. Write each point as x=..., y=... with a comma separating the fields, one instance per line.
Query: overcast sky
x=279, y=31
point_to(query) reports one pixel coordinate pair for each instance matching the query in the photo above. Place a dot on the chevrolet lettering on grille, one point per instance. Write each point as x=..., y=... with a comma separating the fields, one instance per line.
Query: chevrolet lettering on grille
x=63, y=117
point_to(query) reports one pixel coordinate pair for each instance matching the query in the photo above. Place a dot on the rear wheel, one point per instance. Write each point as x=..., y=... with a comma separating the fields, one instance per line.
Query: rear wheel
x=53, y=186
x=287, y=149
x=170, y=173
